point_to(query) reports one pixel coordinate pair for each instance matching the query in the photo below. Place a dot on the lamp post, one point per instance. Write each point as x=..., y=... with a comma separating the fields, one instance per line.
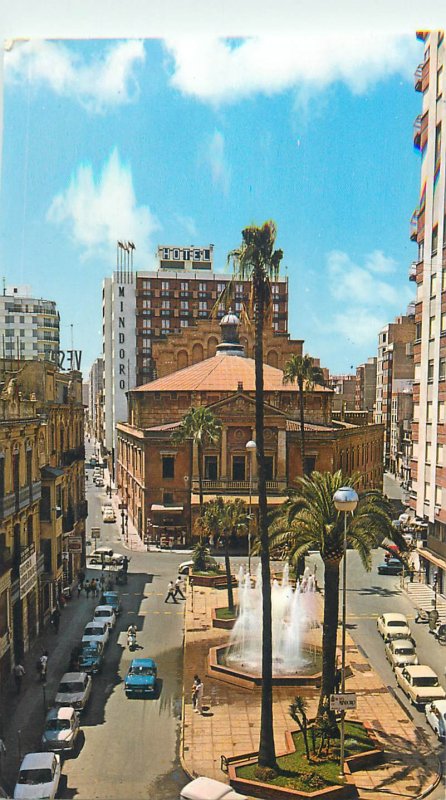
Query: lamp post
x=346, y=500
x=251, y=447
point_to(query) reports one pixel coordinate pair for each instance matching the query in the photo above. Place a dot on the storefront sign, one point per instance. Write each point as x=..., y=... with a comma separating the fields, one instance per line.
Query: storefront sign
x=75, y=544
x=28, y=575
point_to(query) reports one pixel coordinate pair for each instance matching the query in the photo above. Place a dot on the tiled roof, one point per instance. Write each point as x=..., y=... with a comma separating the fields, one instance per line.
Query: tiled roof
x=222, y=373
x=168, y=426
x=294, y=425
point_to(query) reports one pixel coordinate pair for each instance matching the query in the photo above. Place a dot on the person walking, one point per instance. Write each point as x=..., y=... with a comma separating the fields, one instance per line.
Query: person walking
x=55, y=620
x=171, y=593
x=81, y=577
x=79, y=588
x=194, y=691
x=94, y=587
x=87, y=588
x=199, y=696
x=19, y=672
x=125, y=564
x=178, y=589
x=43, y=668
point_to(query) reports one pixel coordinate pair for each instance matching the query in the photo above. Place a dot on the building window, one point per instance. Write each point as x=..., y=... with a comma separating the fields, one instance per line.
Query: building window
x=269, y=468
x=184, y=305
x=164, y=286
x=221, y=287
x=421, y=250
x=431, y=327
x=168, y=467
x=202, y=305
x=165, y=325
x=437, y=161
x=165, y=304
x=309, y=464
x=438, y=496
x=183, y=323
x=430, y=370
x=434, y=240
x=202, y=287
x=442, y=370
x=427, y=491
x=428, y=452
x=184, y=286
x=238, y=468
x=275, y=289
x=434, y=283
x=441, y=407
x=440, y=455
x=210, y=468
x=168, y=498
x=2, y=477
x=429, y=411
x=418, y=331
x=146, y=304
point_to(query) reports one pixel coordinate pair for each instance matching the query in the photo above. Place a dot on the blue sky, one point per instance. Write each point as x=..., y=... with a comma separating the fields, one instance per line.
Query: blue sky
x=187, y=141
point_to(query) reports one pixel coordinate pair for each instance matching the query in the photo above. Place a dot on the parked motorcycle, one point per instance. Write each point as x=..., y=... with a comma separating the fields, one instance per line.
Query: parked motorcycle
x=440, y=633
x=131, y=639
x=422, y=615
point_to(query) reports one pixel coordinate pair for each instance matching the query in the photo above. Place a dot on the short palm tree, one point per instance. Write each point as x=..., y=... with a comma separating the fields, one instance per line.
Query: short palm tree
x=225, y=519
x=257, y=261
x=201, y=427
x=302, y=371
x=308, y=520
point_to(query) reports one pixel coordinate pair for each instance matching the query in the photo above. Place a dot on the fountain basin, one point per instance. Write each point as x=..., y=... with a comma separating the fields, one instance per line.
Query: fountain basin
x=220, y=669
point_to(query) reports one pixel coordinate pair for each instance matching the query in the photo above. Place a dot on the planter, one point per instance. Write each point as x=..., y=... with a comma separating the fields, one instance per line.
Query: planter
x=268, y=791
x=226, y=624
x=212, y=581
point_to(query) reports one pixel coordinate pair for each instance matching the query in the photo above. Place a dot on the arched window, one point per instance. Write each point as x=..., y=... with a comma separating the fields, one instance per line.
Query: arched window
x=182, y=359
x=197, y=353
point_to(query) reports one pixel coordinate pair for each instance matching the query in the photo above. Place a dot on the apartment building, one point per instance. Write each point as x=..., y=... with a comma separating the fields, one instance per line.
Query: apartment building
x=344, y=388
x=365, y=385
x=428, y=223
x=29, y=326
x=96, y=388
x=141, y=308
x=394, y=363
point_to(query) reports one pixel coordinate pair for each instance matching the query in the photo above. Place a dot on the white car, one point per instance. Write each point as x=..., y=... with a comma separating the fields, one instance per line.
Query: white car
x=209, y=789
x=38, y=777
x=106, y=556
x=400, y=652
x=74, y=690
x=96, y=631
x=99, y=481
x=108, y=515
x=393, y=626
x=61, y=729
x=420, y=684
x=107, y=614
x=436, y=717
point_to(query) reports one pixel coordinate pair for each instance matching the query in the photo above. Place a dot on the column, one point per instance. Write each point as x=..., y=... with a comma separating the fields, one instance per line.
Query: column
x=223, y=454
x=281, y=455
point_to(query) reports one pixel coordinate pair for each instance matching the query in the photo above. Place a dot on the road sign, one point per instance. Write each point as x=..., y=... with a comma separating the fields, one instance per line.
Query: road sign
x=95, y=533
x=341, y=702
x=122, y=505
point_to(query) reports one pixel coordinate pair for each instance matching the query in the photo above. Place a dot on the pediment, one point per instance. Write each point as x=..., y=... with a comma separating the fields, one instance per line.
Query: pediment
x=241, y=403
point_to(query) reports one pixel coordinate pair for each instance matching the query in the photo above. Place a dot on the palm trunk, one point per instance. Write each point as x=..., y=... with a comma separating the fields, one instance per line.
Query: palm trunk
x=200, y=474
x=329, y=633
x=228, y=576
x=267, y=753
x=300, y=383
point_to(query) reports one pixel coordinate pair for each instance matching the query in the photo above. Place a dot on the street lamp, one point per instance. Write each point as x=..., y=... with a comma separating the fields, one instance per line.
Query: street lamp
x=346, y=500
x=251, y=447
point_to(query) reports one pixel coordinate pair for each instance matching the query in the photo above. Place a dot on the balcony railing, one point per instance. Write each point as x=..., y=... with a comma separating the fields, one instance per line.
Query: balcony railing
x=82, y=510
x=75, y=454
x=413, y=271
x=224, y=485
x=414, y=225
x=417, y=132
x=417, y=77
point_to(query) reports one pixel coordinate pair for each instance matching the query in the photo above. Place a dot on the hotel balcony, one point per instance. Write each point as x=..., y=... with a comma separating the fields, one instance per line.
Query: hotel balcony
x=413, y=271
x=417, y=132
x=225, y=485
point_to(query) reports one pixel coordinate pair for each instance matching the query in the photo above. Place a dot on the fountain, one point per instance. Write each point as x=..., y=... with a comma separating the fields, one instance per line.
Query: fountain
x=293, y=612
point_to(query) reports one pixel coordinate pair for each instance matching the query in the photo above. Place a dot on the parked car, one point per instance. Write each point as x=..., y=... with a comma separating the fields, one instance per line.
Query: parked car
x=91, y=657
x=104, y=555
x=74, y=690
x=420, y=683
x=209, y=789
x=400, y=652
x=186, y=566
x=391, y=567
x=112, y=599
x=105, y=613
x=108, y=515
x=38, y=777
x=96, y=631
x=393, y=551
x=393, y=626
x=61, y=729
x=93, y=461
x=436, y=717
x=141, y=677
x=99, y=481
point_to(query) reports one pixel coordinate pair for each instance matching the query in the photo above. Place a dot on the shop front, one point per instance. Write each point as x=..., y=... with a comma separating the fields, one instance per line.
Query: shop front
x=167, y=526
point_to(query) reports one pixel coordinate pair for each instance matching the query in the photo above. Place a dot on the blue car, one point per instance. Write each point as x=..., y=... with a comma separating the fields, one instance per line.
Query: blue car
x=141, y=677
x=91, y=657
x=111, y=599
x=391, y=567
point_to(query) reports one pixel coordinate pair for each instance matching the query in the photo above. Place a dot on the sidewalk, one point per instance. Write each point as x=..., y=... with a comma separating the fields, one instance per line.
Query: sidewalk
x=423, y=597
x=131, y=538
x=232, y=723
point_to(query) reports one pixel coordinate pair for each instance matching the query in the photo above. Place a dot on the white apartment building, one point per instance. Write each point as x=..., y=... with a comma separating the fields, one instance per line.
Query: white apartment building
x=29, y=326
x=429, y=271
x=95, y=385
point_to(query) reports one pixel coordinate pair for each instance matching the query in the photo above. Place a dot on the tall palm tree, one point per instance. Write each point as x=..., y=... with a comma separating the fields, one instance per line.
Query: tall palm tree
x=201, y=427
x=301, y=370
x=257, y=261
x=308, y=520
x=225, y=519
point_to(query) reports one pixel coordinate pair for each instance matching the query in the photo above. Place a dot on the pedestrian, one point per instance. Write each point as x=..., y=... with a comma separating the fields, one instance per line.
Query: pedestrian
x=55, y=620
x=171, y=592
x=194, y=691
x=81, y=577
x=19, y=671
x=87, y=588
x=199, y=696
x=338, y=679
x=79, y=588
x=94, y=587
x=178, y=589
x=43, y=666
x=125, y=563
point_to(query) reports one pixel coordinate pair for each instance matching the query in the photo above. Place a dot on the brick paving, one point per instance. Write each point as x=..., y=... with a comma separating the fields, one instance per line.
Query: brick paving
x=230, y=724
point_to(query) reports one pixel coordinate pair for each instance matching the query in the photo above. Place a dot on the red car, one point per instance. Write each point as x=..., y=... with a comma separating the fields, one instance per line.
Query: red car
x=392, y=552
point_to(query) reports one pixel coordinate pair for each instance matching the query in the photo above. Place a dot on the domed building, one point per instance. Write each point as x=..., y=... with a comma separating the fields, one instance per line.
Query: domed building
x=159, y=479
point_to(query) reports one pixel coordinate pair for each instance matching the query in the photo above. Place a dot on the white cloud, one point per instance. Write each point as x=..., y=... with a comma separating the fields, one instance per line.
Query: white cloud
x=107, y=80
x=100, y=212
x=216, y=158
x=188, y=223
x=215, y=71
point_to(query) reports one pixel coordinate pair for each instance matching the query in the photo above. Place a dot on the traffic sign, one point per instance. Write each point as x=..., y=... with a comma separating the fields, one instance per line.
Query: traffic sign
x=341, y=702
x=122, y=505
x=95, y=533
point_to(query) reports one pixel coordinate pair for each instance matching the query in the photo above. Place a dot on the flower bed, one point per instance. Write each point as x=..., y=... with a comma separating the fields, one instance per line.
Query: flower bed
x=223, y=618
x=299, y=778
x=211, y=579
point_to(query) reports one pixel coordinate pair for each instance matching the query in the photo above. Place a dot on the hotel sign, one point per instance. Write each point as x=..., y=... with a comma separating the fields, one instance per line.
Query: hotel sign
x=28, y=575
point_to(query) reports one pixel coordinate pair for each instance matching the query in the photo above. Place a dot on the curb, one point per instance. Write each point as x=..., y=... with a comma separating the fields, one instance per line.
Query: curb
x=183, y=703
x=434, y=783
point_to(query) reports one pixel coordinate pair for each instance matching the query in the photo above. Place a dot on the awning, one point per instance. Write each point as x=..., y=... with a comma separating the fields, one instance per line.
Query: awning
x=167, y=509
x=51, y=472
x=273, y=500
x=434, y=559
